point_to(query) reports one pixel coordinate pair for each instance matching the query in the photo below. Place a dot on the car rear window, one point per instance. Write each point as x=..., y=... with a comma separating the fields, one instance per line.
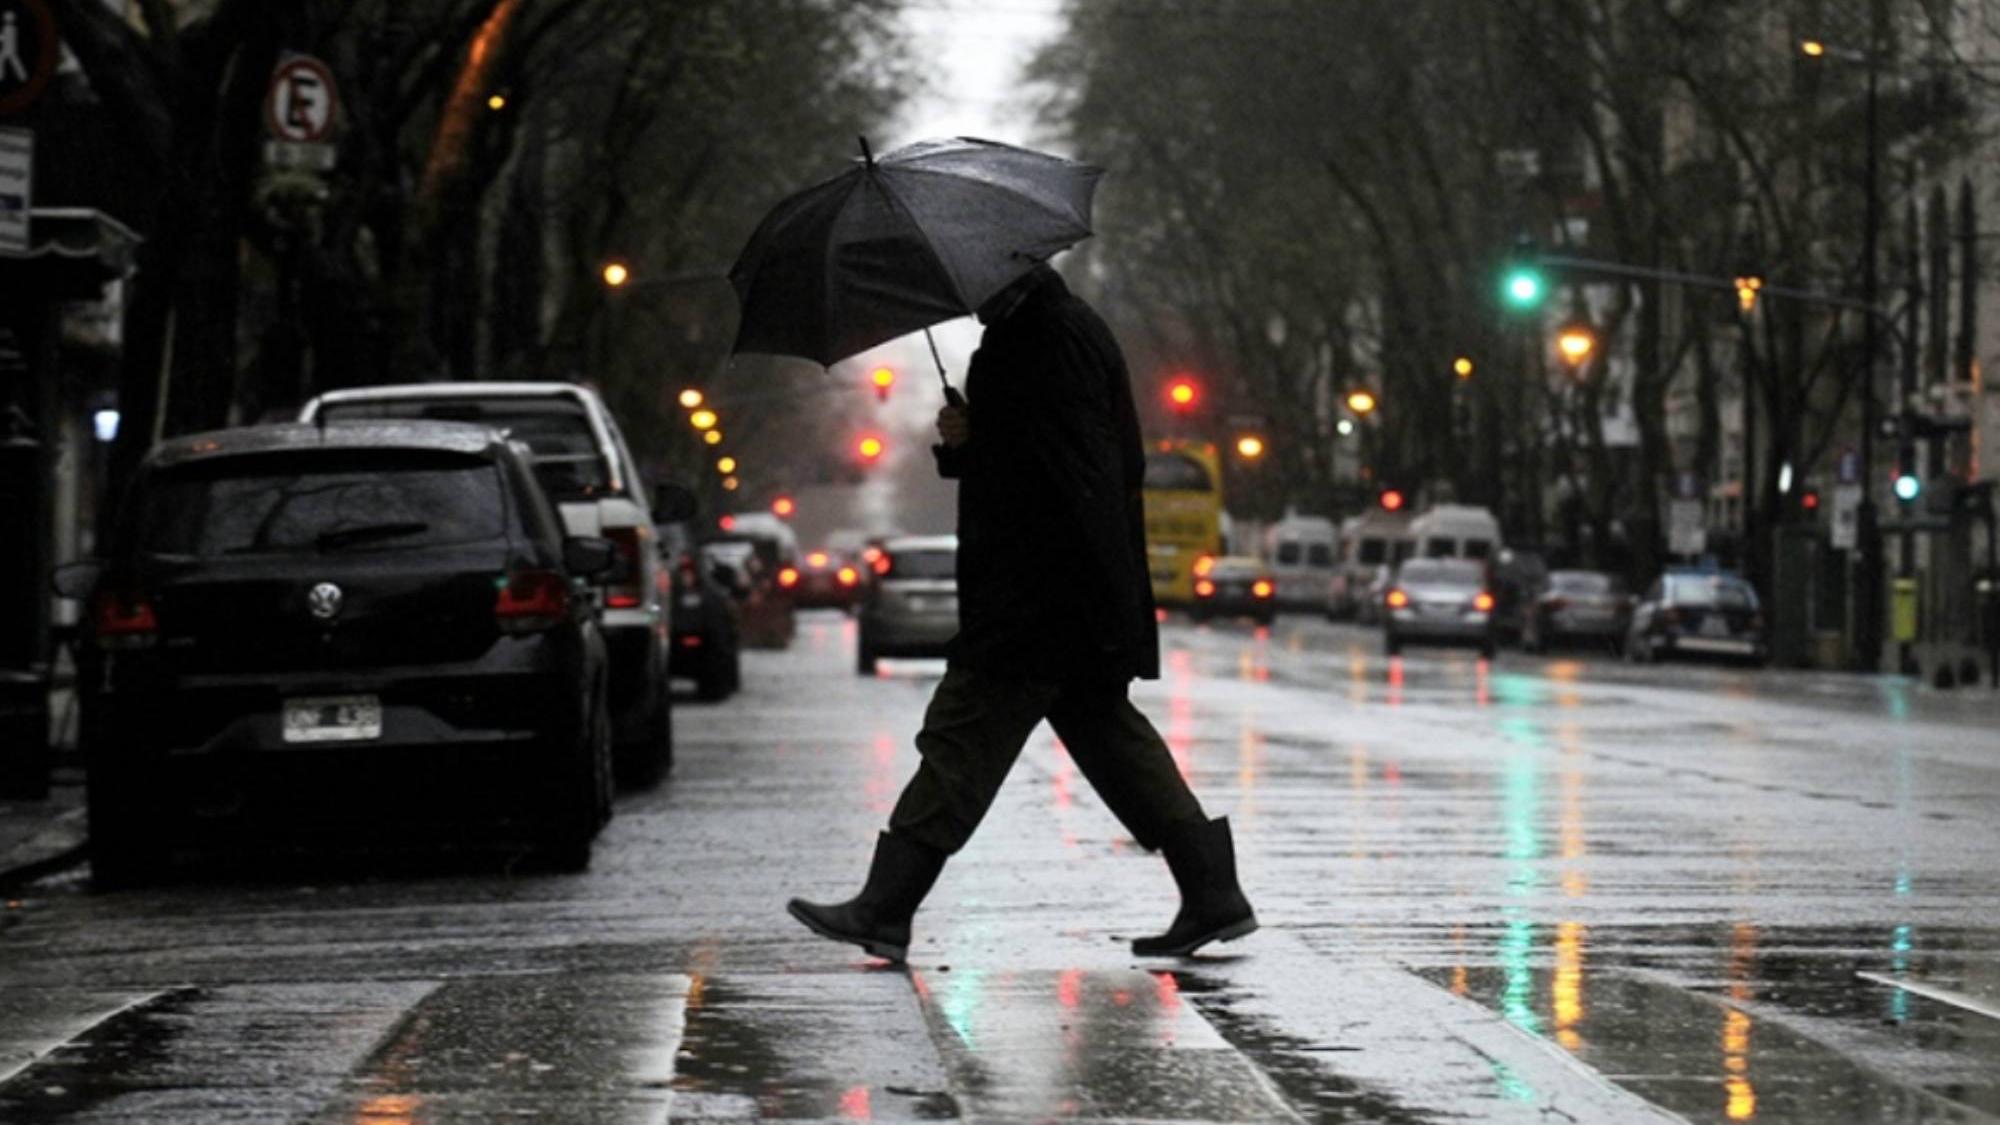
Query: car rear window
x=1724, y=593
x=1319, y=554
x=562, y=446
x=1288, y=554
x=333, y=501
x=1373, y=551
x=1176, y=472
x=923, y=564
x=1441, y=571
x=1580, y=582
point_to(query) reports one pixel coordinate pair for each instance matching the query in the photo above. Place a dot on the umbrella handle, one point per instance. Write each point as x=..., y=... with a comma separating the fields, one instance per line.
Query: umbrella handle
x=951, y=395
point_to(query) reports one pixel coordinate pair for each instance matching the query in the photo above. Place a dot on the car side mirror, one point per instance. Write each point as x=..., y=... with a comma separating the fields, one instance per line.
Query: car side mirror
x=77, y=579
x=672, y=503
x=589, y=556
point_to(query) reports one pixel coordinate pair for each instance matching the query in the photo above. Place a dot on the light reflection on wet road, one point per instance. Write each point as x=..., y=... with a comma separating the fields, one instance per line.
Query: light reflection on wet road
x=1498, y=890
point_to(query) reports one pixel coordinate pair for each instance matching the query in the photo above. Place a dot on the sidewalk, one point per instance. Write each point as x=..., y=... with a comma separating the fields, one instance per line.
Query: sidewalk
x=37, y=837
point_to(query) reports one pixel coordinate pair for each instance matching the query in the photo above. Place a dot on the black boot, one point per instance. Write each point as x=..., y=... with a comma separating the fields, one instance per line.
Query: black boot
x=1203, y=859
x=878, y=919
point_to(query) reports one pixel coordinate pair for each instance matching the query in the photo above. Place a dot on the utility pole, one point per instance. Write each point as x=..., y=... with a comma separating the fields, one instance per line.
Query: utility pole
x=1868, y=532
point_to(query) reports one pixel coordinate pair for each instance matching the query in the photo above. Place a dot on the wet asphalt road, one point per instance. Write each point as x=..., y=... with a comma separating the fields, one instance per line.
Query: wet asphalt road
x=1542, y=889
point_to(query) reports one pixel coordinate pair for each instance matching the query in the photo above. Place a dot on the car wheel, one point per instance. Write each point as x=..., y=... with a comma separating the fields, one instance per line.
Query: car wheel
x=568, y=843
x=713, y=682
x=645, y=760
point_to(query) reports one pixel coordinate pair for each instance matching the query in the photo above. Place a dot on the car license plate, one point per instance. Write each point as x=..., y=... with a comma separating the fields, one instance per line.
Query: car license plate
x=333, y=718
x=1713, y=626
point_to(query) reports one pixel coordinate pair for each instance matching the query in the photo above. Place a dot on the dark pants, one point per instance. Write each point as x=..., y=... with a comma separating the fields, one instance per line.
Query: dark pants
x=975, y=728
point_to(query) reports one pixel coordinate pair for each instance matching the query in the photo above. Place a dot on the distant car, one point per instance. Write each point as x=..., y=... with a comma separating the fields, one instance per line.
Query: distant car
x=1234, y=586
x=1367, y=543
x=828, y=579
x=581, y=459
x=1577, y=605
x=365, y=633
x=706, y=644
x=1699, y=613
x=911, y=608
x=1439, y=601
x=761, y=579
x=1303, y=551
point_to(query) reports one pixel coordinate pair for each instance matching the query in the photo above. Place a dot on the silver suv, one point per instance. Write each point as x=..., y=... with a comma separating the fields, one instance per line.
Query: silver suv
x=584, y=465
x=911, y=607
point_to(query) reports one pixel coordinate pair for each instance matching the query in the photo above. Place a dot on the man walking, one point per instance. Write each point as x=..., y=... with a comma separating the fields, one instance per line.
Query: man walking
x=1055, y=620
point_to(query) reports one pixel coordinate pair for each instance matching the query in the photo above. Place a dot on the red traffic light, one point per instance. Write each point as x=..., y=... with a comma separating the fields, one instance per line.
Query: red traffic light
x=883, y=378
x=726, y=523
x=1809, y=501
x=1391, y=500
x=870, y=448
x=1182, y=394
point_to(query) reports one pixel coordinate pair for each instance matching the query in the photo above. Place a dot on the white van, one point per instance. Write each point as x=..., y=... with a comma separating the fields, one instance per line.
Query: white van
x=1302, y=552
x=1455, y=531
x=1369, y=544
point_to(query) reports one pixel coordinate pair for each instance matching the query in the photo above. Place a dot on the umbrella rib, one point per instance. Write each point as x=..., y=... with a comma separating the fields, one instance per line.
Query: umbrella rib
x=937, y=259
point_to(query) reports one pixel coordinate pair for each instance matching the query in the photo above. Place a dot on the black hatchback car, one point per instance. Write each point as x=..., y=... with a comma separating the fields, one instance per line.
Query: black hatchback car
x=362, y=633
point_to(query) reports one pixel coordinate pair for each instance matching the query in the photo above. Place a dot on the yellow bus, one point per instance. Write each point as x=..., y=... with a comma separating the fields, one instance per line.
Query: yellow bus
x=1183, y=495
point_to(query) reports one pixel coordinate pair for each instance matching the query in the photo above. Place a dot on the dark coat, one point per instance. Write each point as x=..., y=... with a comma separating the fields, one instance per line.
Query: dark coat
x=1052, y=579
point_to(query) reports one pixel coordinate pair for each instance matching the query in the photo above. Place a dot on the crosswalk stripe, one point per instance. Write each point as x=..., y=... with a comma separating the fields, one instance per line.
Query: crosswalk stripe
x=1108, y=1044
x=39, y=1020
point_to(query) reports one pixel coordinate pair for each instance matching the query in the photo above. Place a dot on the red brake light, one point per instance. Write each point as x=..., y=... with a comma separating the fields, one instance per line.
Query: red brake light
x=848, y=576
x=1203, y=565
x=1483, y=603
x=624, y=590
x=883, y=563
x=788, y=577
x=1204, y=589
x=531, y=601
x=123, y=621
x=1398, y=599
x=1263, y=588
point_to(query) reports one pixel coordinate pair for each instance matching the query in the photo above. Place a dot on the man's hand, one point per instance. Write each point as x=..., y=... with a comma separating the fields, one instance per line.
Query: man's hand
x=954, y=425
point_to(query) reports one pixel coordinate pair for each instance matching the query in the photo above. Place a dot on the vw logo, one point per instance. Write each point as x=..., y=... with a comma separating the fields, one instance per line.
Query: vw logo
x=324, y=601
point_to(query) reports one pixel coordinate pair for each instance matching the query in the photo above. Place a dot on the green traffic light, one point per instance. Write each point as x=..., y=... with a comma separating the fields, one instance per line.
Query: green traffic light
x=1907, y=487
x=1524, y=288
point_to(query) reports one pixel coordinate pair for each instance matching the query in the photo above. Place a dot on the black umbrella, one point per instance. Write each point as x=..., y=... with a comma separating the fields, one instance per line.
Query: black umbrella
x=920, y=235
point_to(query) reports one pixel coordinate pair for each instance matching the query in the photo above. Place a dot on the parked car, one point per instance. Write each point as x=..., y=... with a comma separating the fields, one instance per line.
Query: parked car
x=1577, y=605
x=1444, y=601
x=754, y=569
x=365, y=632
x=582, y=460
x=1700, y=613
x=706, y=645
x=911, y=609
x=1303, y=553
x=1234, y=586
x=828, y=579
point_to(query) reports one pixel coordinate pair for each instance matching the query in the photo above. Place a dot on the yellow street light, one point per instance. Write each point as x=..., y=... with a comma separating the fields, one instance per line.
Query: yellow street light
x=1462, y=367
x=497, y=102
x=616, y=274
x=1361, y=402
x=712, y=437
x=691, y=398
x=726, y=465
x=731, y=484
x=1576, y=344
x=1812, y=48
x=703, y=419
x=1746, y=292
x=1249, y=447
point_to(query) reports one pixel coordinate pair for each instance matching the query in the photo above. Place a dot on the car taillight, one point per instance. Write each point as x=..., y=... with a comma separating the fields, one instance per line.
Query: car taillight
x=531, y=601
x=1204, y=589
x=1263, y=588
x=882, y=564
x=1483, y=602
x=124, y=621
x=1398, y=599
x=624, y=588
x=848, y=576
x=690, y=574
x=788, y=577
x=1203, y=565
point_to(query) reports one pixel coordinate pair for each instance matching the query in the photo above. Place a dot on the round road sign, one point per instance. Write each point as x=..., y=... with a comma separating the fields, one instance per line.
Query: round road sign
x=29, y=52
x=303, y=103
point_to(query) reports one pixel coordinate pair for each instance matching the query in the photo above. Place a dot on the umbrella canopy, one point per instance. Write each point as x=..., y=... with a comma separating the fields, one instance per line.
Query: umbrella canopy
x=920, y=235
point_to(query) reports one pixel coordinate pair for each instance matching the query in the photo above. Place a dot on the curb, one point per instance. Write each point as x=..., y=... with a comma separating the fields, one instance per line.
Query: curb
x=63, y=843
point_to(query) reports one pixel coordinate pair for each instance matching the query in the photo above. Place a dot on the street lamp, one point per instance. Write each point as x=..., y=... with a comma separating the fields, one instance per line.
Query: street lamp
x=1576, y=343
x=703, y=419
x=1868, y=530
x=1462, y=367
x=1361, y=402
x=691, y=398
x=616, y=274
x=726, y=466
x=712, y=437
x=1249, y=447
